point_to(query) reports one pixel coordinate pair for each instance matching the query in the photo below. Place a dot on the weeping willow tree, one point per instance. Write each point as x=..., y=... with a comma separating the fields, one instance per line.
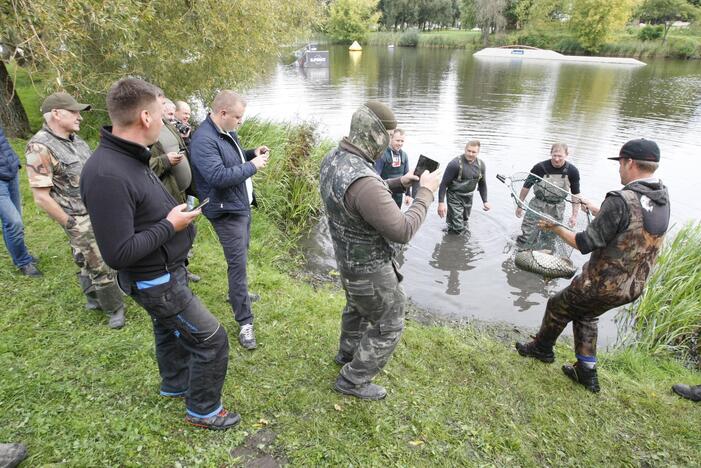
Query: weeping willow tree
x=187, y=47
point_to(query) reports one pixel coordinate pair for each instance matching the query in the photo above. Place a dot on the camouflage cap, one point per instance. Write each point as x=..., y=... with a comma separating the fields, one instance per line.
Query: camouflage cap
x=383, y=113
x=62, y=101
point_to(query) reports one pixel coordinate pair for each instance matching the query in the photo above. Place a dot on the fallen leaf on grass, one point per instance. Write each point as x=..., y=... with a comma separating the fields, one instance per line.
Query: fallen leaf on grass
x=337, y=407
x=416, y=443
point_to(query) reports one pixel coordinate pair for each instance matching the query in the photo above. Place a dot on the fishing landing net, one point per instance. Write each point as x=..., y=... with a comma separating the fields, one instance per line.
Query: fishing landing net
x=540, y=251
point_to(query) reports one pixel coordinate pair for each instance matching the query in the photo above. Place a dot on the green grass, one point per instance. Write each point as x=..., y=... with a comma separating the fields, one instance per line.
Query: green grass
x=667, y=317
x=454, y=39
x=79, y=394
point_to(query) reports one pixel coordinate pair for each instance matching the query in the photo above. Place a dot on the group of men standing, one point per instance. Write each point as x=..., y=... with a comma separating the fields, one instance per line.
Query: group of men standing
x=124, y=213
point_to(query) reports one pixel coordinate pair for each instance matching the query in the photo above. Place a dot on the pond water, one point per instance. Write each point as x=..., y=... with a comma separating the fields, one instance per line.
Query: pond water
x=443, y=98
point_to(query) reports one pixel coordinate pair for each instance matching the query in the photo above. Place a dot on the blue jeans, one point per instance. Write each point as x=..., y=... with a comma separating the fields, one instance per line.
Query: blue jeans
x=11, y=216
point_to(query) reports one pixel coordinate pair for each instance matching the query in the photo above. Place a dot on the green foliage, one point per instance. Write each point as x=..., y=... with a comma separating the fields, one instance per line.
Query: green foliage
x=595, y=21
x=650, y=33
x=666, y=12
x=667, y=317
x=351, y=20
x=409, y=38
x=185, y=47
x=287, y=189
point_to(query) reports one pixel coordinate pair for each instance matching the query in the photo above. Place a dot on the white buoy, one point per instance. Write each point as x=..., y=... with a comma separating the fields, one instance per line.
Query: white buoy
x=355, y=47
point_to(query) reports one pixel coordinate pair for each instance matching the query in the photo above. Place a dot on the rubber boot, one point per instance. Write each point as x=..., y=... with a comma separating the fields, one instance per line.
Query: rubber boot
x=12, y=455
x=89, y=291
x=112, y=304
x=581, y=374
x=690, y=392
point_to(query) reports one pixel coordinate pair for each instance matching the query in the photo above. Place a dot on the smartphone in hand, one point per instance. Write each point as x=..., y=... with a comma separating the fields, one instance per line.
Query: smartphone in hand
x=425, y=164
x=204, y=202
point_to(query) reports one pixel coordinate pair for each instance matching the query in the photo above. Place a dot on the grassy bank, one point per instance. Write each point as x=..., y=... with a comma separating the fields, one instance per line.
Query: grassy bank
x=80, y=394
x=450, y=39
x=667, y=317
x=679, y=45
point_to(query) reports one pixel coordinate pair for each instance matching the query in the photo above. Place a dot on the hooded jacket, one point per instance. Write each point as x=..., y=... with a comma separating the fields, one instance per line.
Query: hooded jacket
x=625, y=239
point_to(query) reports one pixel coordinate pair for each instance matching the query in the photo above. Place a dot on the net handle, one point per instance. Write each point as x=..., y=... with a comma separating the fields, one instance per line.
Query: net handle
x=507, y=181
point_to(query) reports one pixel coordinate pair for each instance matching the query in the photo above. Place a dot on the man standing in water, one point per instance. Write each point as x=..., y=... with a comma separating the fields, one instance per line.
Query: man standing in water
x=559, y=173
x=395, y=163
x=624, y=239
x=463, y=175
x=365, y=223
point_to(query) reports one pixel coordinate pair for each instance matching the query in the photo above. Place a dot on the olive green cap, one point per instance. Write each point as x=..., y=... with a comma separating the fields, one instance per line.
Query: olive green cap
x=383, y=113
x=62, y=101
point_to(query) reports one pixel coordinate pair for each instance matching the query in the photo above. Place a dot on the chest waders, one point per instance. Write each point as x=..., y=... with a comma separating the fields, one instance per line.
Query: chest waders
x=548, y=201
x=391, y=172
x=459, y=194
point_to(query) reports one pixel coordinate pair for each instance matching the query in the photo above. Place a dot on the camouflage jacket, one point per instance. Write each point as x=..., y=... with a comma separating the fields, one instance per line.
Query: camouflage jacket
x=57, y=162
x=618, y=271
x=358, y=246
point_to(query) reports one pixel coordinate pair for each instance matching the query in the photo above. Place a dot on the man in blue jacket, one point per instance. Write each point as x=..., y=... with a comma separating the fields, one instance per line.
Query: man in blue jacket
x=223, y=171
x=11, y=210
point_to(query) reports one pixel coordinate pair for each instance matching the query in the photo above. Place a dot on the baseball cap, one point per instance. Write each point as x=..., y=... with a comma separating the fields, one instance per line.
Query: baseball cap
x=62, y=101
x=641, y=150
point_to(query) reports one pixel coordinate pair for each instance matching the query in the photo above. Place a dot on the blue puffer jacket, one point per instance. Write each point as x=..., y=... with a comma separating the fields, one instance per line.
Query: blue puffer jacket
x=9, y=162
x=218, y=171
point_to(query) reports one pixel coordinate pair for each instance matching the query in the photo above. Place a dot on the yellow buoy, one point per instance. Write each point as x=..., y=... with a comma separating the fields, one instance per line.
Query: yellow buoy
x=355, y=46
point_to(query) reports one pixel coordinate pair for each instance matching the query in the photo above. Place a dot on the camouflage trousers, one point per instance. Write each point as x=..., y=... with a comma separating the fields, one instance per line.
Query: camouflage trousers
x=459, y=209
x=94, y=273
x=534, y=238
x=582, y=306
x=372, y=322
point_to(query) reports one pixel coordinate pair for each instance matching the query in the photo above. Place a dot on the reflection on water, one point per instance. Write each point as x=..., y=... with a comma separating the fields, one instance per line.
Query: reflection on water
x=453, y=254
x=443, y=98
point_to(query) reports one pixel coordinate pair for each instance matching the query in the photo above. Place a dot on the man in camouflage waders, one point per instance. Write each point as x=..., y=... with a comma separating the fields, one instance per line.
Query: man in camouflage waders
x=548, y=200
x=55, y=159
x=463, y=175
x=624, y=240
x=365, y=224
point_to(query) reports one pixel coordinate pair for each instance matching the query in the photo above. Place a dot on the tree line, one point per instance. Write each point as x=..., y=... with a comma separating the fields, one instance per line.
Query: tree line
x=591, y=21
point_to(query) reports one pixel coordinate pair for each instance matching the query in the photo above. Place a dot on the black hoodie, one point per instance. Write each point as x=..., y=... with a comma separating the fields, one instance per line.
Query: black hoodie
x=614, y=216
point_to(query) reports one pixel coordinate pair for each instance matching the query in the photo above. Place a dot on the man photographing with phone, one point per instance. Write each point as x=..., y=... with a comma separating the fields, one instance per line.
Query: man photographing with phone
x=145, y=235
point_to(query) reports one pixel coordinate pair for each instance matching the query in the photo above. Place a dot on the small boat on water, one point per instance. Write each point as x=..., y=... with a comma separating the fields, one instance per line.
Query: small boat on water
x=309, y=57
x=521, y=52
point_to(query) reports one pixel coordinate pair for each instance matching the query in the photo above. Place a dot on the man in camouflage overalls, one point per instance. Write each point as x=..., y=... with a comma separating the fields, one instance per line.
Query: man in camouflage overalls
x=624, y=239
x=463, y=175
x=555, y=173
x=55, y=158
x=365, y=225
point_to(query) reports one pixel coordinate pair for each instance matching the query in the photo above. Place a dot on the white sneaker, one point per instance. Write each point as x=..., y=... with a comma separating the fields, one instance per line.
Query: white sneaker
x=247, y=337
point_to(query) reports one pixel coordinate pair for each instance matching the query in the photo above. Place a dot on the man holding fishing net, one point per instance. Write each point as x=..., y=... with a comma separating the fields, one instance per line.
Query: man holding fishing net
x=552, y=174
x=624, y=240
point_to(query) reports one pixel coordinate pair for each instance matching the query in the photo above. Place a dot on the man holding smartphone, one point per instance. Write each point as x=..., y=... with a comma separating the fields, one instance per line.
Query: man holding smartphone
x=145, y=236
x=223, y=172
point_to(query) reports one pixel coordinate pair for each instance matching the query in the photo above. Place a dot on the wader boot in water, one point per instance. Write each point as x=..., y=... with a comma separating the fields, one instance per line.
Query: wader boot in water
x=549, y=201
x=89, y=290
x=458, y=197
x=112, y=303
